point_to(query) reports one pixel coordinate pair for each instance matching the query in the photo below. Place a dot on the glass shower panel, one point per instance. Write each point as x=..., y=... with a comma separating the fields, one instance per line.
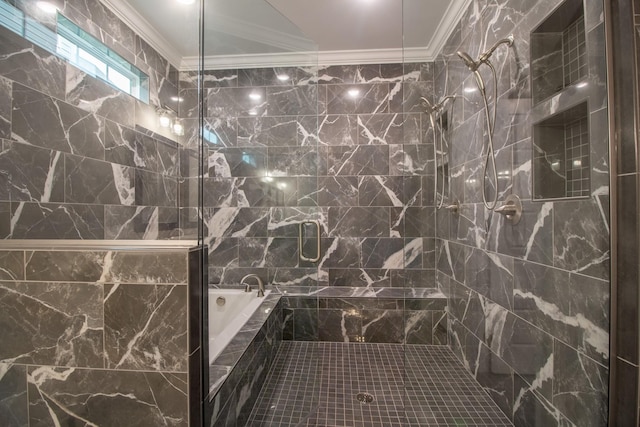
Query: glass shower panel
x=262, y=220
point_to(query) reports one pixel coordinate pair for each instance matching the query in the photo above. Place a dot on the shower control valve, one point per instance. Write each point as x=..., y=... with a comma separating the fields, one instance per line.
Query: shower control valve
x=511, y=209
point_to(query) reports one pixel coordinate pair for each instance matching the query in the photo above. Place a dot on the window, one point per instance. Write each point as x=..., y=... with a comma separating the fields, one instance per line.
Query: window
x=79, y=48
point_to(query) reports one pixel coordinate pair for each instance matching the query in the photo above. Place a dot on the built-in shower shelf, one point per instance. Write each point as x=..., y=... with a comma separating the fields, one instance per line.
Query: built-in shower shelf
x=561, y=155
x=559, y=51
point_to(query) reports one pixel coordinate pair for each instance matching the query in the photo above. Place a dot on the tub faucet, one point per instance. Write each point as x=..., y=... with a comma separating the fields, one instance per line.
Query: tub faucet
x=258, y=279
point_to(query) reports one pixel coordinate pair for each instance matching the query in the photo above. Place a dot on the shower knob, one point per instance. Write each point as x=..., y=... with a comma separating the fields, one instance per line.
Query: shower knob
x=511, y=209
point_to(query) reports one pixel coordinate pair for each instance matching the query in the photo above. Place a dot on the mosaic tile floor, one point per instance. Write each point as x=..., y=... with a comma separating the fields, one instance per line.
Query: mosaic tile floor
x=315, y=384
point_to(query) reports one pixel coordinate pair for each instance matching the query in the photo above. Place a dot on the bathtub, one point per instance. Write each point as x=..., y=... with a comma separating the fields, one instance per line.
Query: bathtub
x=226, y=320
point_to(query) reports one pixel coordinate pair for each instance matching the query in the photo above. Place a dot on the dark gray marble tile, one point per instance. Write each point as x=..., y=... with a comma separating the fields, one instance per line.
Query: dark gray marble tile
x=418, y=327
x=530, y=409
x=31, y=174
x=531, y=239
x=5, y=107
x=382, y=326
x=52, y=323
x=146, y=327
x=223, y=252
x=267, y=131
x=55, y=221
x=386, y=253
x=153, y=189
x=12, y=265
x=64, y=266
x=369, y=98
x=376, y=190
x=389, y=129
x=339, y=129
x=358, y=222
x=405, y=97
x=13, y=395
x=359, y=160
x=341, y=252
x=582, y=246
x=96, y=96
x=292, y=101
x=305, y=326
x=30, y=65
x=268, y=192
x=337, y=191
x=339, y=325
x=91, y=181
x=139, y=222
x=114, y=397
x=272, y=252
x=580, y=387
x=146, y=267
x=492, y=276
x=411, y=159
x=46, y=122
x=372, y=278
x=237, y=102
x=238, y=162
x=292, y=161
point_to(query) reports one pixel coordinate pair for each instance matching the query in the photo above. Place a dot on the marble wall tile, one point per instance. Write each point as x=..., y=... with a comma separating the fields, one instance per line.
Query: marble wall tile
x=30, y=65
x=140, y=222
x=291, y=101
x=492, y=276
x=389, y=129
x=96, y=96
x=341, y=252
x=580, y=387
x=46, y=122
x=64, y=266
x=359, y=160
x=91, y=181
x=236, y=102
x=338, y=129
x=382, y=326
x=238, y=162
x=531, y=409
x=52, y=323
x=369, y=99
x=13, y=395
x=359, y=222
x=337, y=191
x=152, y=189
x=55, y=221
x=145, y=267
x=106, y=396
x=267, y=131
x=137, y=319
x=582, y=247
x=5, y=107
x=292, y=161
x=12, y=263
x=31, y=174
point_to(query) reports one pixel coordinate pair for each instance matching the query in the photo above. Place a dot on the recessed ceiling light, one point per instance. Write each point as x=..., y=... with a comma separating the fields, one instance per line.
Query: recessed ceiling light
x=353, y=93
x=255, y=96
x=177, y=98
x=186, y=1
x=283, y=77
x=47, y=7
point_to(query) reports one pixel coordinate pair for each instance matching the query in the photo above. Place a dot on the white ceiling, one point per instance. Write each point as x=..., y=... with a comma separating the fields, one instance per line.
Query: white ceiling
x=275, y=32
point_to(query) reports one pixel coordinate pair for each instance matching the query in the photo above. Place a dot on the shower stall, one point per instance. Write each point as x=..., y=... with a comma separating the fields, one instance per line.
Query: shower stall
x=230, y=213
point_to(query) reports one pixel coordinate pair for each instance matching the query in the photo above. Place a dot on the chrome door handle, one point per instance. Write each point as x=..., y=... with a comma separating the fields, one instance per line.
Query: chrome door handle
x=301, y=241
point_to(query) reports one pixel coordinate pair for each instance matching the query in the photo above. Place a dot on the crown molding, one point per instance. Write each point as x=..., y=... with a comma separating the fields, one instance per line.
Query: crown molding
x=296, y=56
x=448, y=23
x=130, y=16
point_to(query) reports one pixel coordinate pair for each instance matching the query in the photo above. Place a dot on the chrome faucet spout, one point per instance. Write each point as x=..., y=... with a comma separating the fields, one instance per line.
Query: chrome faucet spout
x=257, y=279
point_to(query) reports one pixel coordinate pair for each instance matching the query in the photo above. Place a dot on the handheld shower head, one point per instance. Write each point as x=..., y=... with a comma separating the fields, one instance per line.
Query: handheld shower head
x=468, y=61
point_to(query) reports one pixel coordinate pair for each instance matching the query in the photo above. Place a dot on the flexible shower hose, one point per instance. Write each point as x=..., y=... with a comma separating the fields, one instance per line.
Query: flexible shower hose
x=490, y=156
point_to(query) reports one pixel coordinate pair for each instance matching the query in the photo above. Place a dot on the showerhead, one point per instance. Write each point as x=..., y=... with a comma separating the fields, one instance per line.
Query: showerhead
x=468, y=61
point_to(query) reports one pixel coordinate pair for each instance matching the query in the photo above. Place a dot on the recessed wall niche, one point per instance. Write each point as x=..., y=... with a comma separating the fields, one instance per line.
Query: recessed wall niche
x=561, y=151
x=558, y=51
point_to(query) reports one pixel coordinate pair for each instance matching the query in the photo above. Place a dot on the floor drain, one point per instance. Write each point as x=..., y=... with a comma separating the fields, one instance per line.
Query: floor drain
x=364, y=398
